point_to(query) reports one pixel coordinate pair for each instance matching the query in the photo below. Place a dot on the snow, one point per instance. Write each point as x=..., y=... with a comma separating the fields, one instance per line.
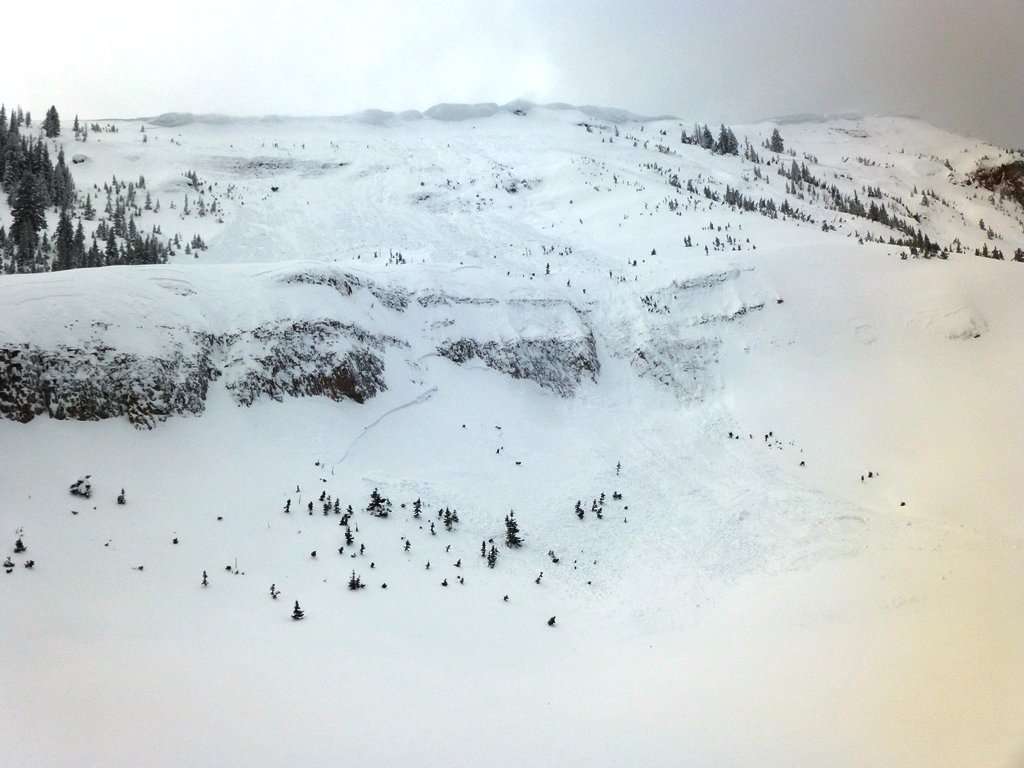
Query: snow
x=745, y=609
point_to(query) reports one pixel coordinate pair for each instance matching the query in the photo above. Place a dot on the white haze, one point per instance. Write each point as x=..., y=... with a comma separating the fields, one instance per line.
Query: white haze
x=952, y=63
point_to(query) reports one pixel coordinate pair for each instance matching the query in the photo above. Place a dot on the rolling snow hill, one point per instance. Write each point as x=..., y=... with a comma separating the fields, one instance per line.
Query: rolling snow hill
x=790, y=428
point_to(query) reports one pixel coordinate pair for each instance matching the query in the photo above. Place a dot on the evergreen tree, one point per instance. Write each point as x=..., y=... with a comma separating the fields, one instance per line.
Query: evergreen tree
x=110, y=251
x=775, y=144
x=298, y=613
x=10, y=255
x=51, y=124
x=65, y=243
x=29, y=214
x=707, y=141
x=727, y=143
x=62, y=185
x=24, y=253
x=512, y=537
x=379, y=506
x=354, y=582
x=94, y=256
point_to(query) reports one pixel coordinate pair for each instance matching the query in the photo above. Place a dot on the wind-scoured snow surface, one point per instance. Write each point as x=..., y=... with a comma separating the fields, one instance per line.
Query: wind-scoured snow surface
x=808, y=549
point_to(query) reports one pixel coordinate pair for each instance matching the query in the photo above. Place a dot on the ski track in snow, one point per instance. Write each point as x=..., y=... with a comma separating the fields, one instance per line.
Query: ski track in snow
x=418, y=400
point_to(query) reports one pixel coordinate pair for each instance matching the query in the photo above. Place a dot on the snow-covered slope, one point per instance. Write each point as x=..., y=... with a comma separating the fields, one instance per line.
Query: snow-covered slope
x=807, y=548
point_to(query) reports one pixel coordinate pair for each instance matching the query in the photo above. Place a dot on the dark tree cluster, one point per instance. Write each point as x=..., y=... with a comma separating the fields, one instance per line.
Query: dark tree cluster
x=996, y=254
x=32, y=183
x=379, y=506
x=449, y=517
x=117, y=239
x=725, y=144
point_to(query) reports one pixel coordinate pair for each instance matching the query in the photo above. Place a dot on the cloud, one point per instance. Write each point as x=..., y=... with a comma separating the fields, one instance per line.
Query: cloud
x=734, y=60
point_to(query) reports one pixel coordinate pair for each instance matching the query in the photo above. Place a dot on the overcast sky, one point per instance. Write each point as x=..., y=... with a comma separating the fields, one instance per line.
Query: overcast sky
x=956, y=63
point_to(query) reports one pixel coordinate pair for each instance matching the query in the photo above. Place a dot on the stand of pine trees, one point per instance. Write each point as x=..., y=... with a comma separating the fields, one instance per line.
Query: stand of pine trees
x=34, y=183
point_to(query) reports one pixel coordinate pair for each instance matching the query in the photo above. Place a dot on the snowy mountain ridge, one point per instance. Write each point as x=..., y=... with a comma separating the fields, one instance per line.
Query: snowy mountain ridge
x=493, y=191
x=758, y=439
x=444, y=112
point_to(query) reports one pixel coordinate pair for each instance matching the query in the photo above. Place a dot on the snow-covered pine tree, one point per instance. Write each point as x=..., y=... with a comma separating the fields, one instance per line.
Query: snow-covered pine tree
x=379, y=506
x=28, y=210
x=512, y=537
x=354, y=582
x=65, y=241
x=298, y=614
x=51, y=123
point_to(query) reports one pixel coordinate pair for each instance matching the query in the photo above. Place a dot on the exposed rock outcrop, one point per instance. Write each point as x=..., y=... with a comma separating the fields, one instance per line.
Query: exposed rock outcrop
x=560, y=365
x=1006, y=179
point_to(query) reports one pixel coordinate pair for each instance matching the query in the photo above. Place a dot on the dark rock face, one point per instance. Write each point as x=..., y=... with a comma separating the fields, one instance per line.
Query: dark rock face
x=299, y=359
x=346, y=284
x=1005, y=179
x=557, y=364
x=99, y=383
x=304, y=359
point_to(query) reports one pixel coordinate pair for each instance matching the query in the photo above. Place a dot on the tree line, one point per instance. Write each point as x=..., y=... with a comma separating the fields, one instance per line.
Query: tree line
x=34, y=183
